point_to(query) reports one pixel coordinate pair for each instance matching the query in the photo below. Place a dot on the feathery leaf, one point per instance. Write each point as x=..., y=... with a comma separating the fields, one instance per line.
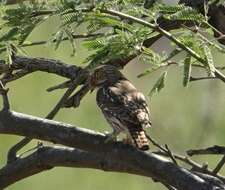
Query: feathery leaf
x=187, y=70
x=159, y=85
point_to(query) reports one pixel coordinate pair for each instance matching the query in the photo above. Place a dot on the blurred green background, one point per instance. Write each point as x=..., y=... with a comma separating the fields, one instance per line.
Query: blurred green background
x=183, y=118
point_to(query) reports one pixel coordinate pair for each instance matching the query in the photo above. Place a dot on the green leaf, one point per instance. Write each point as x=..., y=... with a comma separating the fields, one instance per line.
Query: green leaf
x=95, y=44
x=148, y=71
x=69, y=34
x=187, y=70
x=10, y=50
x=159, y=85
x=187, y=13
x=209, y=61
x=58, y=38
x=151, y=57
x=10, y=34
x=71, y=18
x=172, y=54
x=26, y=30
x=170, y=9
x=105, y=20
x=192, y=41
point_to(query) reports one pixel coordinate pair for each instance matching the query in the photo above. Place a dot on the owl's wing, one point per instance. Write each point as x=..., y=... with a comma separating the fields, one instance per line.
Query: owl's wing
x=124, y=103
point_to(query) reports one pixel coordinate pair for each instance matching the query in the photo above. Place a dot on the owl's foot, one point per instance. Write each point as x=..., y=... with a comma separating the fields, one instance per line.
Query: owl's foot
x=111, y=137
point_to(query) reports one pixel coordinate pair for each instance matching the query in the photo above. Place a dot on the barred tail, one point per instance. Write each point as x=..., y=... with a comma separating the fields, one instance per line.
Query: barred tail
x=139, y=138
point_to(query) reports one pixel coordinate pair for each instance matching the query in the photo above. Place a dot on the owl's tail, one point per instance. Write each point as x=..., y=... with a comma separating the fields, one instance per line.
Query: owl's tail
x=139, y=138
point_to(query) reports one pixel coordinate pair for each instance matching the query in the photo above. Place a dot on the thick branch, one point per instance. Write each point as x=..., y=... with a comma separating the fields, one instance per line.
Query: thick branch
x=151, y=165
x=42, y=64
x=46, y=158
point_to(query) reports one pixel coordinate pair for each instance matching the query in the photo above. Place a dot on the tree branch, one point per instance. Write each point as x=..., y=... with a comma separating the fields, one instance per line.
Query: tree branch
x=46, y=158
x=219, y=165
x=110, y=156
x=43, y=42
x=210, y=150
x=150, y=165
x=165, y=33
x=201, y=78
x=41, y=64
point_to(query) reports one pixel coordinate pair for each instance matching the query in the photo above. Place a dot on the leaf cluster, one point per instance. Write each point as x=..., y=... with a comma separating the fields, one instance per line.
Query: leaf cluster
x=114, y=37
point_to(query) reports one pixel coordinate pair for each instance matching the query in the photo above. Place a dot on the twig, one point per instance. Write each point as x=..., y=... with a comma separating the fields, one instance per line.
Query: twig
x=37, y=147
x=219, y=165
x=201, y=78
x=75, y=36
x=74, y=101
x=195, y=166
x=210, y=42
x=184, y=159
x=28, y=65
x=3, y=92
x=11, y=155
x=13, y=151
x=156, y=144
x=210, y=150
x=60, y=86
x=81, y=77
x=166, y=150
x=171, y=155
x=15, y=76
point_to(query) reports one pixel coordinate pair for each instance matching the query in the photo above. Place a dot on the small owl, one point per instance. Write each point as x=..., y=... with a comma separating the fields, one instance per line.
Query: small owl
x=123, y=106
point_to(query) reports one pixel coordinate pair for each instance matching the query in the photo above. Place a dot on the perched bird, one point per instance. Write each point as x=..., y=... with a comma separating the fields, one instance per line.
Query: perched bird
x=123, y=106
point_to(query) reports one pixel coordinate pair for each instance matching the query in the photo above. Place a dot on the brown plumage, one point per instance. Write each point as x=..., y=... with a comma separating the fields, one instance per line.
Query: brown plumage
x=123, y=106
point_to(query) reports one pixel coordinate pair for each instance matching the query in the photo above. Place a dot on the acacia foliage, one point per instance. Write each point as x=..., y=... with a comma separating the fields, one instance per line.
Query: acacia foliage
x=115, y=35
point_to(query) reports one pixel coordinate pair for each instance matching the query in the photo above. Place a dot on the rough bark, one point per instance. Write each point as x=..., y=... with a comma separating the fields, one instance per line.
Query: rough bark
x=143, y=163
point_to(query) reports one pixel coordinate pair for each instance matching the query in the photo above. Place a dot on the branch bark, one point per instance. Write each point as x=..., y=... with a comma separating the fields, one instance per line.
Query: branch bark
x=46, y=158
x=146, y=163
x=47, y=65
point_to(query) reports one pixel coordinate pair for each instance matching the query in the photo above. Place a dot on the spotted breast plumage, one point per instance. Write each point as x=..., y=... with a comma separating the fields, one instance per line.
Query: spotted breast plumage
x=123, y=106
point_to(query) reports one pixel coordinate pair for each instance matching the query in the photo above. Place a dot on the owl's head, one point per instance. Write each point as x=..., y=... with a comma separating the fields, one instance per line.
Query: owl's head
x=104, y=75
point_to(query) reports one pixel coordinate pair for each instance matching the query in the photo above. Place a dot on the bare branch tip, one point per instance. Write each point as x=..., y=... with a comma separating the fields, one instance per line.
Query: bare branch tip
x=170, y=154
x=219, y=165
x=63, y=85
x=12, y=153
x=189, y=152
x=3, y=92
